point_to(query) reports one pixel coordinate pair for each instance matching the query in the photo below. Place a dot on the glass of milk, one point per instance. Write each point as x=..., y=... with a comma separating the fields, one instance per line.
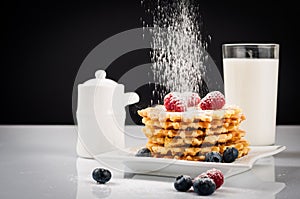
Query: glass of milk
x=250, y=81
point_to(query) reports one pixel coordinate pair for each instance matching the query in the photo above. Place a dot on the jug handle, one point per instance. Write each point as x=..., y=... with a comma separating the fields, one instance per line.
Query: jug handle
x=131, y=98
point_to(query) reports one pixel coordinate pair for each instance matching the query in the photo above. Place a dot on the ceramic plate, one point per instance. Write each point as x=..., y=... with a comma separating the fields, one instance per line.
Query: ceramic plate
x=126, y=161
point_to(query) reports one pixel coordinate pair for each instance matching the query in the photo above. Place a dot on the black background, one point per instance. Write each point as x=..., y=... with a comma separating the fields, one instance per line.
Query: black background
x=44, y=44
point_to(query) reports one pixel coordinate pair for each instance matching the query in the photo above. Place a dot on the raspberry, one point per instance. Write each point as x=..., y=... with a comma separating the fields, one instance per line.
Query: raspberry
x=213, y=101
x=173, y=102
x=193, y=100
x=216, y=175
x=202, y=175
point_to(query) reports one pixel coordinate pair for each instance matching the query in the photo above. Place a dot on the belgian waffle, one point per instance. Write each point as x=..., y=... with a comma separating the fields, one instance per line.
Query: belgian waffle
x=196, y=153
x=156, y=132
x=193, y=115
x=190, y=135
x=183, y=139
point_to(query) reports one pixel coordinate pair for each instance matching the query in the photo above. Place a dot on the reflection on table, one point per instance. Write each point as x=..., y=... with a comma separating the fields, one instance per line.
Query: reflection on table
x=259, y=181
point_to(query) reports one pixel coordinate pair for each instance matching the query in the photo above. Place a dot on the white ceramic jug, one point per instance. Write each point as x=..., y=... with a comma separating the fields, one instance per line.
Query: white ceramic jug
x=101, y=115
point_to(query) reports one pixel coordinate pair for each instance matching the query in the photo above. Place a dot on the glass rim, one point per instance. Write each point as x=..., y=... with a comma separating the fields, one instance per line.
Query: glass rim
x=251, y=50
x=266, y=45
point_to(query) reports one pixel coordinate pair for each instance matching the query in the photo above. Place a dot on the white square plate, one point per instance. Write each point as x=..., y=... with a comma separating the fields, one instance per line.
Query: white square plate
x=126, y=161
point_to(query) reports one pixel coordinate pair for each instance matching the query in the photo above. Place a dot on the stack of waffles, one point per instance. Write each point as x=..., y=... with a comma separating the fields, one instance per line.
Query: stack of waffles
x=190, y=135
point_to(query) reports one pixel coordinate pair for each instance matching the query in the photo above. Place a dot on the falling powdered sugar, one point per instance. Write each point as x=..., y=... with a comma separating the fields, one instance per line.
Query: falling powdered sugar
x=178, y=47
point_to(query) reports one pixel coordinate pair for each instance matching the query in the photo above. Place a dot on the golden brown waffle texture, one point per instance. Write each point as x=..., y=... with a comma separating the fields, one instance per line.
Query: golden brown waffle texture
x=190, y=135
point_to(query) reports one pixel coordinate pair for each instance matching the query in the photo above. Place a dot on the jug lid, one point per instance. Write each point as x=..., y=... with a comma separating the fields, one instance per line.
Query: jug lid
x=100, y=80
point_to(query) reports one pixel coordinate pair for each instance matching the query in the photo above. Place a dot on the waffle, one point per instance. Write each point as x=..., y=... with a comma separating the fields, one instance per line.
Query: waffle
x=156, y=132
x=167, y=141
x=194, y=115
x=178, y=141
x=195, y=153
x=228, y=123
x=190, y=135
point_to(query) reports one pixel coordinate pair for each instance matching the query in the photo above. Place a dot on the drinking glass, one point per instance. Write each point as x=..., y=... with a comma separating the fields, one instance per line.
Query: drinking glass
x=250, y=81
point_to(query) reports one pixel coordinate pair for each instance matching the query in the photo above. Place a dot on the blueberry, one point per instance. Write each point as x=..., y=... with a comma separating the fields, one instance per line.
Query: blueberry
x=144, y=152
x=183, y=183
x=213, y=157
x=101, y=175
x=204, y=186
x=230, y=154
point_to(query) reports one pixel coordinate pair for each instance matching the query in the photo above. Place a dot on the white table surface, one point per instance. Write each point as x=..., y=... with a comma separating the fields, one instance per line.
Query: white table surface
x=41, y=162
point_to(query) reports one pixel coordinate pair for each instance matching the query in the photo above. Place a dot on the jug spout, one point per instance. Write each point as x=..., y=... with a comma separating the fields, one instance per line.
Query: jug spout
x=131, y=98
